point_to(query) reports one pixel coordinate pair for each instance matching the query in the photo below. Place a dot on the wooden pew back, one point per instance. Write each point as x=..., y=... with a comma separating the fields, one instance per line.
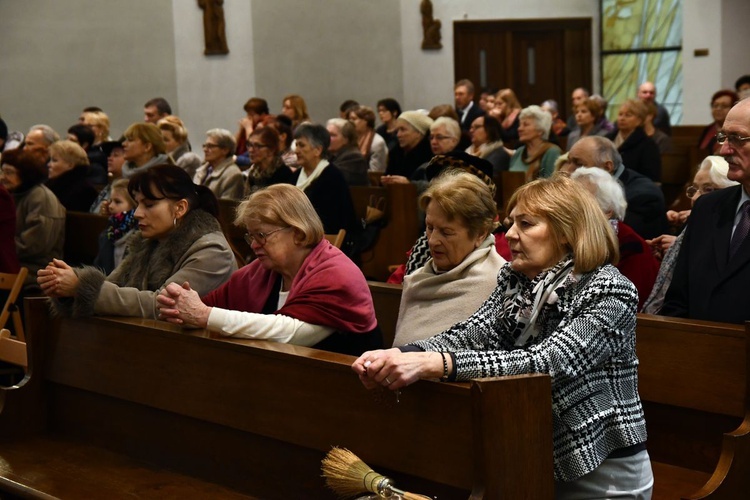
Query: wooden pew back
x=693, y=384
x=258, y=417
x=400, y=232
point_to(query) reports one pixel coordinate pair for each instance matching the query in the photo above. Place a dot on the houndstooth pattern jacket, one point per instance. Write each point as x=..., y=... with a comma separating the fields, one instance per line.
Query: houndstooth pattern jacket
x=586, y=343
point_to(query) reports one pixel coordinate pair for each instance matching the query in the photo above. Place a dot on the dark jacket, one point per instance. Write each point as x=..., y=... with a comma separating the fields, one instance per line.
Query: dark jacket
x=330, y=196
x=73, y=189
x=405, y=163
x=706, y=284
x=640, y=153
x=646, y=212
x=353, y=165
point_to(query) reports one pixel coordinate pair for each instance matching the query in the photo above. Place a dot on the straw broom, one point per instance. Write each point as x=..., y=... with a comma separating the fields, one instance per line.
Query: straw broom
x=347, y=475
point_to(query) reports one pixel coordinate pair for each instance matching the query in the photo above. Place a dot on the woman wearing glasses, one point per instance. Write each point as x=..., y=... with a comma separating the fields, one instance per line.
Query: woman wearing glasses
x=711, y=176
x=220, y=174
x=267, y=167
x=300, y=290
x=179, y=240
x=721, y=102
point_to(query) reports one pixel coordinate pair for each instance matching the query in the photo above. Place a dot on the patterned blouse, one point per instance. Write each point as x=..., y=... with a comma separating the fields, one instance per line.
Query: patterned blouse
x=579, y=329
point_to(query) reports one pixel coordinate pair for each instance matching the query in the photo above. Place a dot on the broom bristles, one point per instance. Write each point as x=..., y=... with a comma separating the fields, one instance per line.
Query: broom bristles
x=347, y=475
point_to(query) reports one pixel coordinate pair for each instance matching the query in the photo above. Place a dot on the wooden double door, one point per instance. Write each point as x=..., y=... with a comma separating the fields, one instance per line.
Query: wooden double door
x=538, y=59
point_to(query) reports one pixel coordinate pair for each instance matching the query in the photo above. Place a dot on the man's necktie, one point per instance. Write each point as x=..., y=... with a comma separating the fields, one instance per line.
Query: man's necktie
x=742, y=229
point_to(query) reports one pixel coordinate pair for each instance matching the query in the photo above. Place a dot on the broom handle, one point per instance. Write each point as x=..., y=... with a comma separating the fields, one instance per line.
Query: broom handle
x=408, y=496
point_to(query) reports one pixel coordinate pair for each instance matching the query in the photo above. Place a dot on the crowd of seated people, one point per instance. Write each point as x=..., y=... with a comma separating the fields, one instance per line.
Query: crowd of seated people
x=554, y=289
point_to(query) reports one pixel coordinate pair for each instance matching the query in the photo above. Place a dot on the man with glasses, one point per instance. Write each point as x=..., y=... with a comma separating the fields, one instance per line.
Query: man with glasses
x=713, y=267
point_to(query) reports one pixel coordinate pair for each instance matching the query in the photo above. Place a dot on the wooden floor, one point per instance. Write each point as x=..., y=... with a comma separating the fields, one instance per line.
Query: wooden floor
x=67, y=469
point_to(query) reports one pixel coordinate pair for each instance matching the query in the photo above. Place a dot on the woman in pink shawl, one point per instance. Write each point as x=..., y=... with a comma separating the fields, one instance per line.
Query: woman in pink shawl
x=300, y=290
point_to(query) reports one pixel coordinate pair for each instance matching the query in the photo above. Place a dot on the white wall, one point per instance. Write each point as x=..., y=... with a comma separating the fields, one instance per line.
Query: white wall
x=702, y=76
x=735, y=40
x=58, y=57
x=327, y=52
x=428, y=75
x=211, y=90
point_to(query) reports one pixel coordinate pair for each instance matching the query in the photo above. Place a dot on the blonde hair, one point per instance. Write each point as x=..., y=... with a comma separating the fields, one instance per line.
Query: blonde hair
x=576, y=222
x=637, y=107
x=147, y=133
x=297, y=103
x=173, y=125
x=70, y=152
x=121, y=186
x=100, y=119
x=282, y=205
x=464, y=196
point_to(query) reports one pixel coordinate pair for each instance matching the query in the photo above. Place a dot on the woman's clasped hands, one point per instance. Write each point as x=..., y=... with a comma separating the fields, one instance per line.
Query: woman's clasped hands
x=394, y=369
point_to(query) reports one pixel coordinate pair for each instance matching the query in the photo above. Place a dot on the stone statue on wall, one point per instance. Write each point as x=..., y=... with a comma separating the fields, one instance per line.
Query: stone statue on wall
x=430, y=27
x=214, y=27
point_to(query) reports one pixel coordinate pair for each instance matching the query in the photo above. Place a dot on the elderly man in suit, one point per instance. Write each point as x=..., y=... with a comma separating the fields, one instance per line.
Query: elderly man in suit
x=712, y=273
x=646, y=212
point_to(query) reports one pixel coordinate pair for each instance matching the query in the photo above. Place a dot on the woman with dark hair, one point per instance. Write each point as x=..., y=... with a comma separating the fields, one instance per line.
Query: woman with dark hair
x=371, y=144
x=40, y=217
x=487, y=143
x=322, y=182
x=180, y=240
x=68, y=171
x=283, y=125
x=721, y=102
x=267, y=166
x=144, y=147
x=388, y=111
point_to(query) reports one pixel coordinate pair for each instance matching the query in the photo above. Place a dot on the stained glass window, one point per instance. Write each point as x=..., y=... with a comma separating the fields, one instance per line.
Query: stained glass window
x=642, y=41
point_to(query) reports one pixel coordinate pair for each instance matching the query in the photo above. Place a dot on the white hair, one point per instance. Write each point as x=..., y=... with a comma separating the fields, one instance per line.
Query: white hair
x=717, y=168
x=542, y=118
x=451, y=126
x=609, y=192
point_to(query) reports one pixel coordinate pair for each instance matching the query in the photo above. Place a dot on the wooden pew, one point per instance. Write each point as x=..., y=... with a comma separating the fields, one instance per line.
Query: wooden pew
x=678, y=165
x=693, y=381
x=82, y=230
x=137, y=408
x=401, y=230
x=235, y=235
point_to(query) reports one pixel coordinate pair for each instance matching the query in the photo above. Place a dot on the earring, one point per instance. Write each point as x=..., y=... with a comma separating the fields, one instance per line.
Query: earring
x=174, y=222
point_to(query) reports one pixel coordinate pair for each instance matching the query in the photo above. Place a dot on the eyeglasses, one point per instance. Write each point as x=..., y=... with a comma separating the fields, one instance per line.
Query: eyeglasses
x=210, y=146
x=735, y=140
x=261, y=238
x=440, y=137
x=256, y=145
x=693, y=190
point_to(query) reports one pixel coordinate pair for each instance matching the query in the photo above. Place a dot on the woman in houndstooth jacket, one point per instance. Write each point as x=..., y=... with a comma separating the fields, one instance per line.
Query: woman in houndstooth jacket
x=560, y=307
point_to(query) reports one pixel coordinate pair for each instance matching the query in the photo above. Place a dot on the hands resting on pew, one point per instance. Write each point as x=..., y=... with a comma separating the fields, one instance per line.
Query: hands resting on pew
x=394, y=369
x=58, y=279
x=181, y=305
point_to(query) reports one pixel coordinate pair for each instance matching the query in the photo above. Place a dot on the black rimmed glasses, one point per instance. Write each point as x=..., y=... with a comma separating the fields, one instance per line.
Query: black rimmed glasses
x=735, y=140
x=261, y=238
x=256, y=145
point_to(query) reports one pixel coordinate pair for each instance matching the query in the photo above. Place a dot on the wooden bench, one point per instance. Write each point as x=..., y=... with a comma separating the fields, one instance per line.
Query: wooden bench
x=678, y=166
x=136, y=408
x=82, y=230
x=400, y=232
x=693, y=382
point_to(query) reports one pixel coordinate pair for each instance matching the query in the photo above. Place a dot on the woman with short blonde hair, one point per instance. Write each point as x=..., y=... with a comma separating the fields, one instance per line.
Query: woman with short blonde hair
x=68, y=176
x=300, y=290
x=144, y=147
x=175, y=137
x=99, y=123
x=559, y=308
